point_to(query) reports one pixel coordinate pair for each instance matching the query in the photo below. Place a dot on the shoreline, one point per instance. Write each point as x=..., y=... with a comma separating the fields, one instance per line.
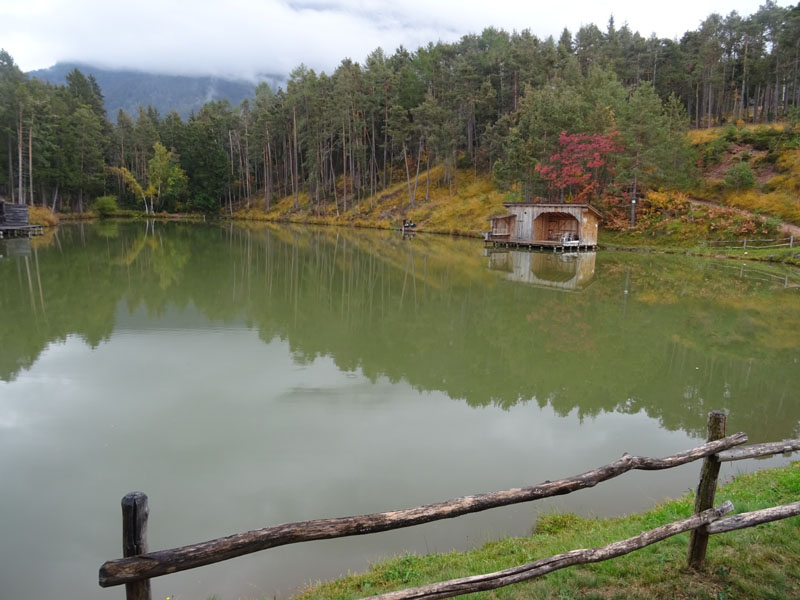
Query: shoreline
x=779, y=256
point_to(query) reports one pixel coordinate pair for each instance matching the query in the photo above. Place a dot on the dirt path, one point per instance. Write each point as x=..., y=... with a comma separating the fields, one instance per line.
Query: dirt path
x=787, y=228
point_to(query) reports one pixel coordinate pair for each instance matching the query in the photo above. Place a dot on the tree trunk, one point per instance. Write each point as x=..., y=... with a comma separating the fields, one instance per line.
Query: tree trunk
x=408, y=175
x=416, y=177
x=11, y=170
x=385, y=141
x=20, y=171
x=296, y=155
x=30, y=161
x=743, y=98
x=428, y=176
x=697, y=105
x=344, y=169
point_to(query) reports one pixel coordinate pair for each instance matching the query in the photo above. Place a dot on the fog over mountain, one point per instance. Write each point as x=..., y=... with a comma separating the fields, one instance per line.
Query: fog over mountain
x=127, y=90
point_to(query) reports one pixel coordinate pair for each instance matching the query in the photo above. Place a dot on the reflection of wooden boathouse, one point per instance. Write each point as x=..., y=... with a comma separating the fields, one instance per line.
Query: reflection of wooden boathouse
x=543, y=225
x=14, y=221
x=571, y=271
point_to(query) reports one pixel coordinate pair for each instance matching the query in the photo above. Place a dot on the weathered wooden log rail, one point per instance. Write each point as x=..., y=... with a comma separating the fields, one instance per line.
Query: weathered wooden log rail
x=710, y=519
x=138, y=566
x=754, y=243
x=154, y=564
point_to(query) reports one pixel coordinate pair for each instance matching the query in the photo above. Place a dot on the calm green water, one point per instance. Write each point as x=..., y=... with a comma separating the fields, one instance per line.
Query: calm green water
x=244, y=378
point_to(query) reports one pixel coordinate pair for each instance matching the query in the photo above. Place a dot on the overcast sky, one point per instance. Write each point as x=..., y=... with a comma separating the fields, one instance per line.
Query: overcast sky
x=247, y=37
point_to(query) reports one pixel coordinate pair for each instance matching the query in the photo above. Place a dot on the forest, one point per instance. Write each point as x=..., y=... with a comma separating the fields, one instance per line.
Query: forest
x=596, y=115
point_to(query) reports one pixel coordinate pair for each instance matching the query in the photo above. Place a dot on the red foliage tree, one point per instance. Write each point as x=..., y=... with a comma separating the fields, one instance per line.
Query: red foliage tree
x=581, y=167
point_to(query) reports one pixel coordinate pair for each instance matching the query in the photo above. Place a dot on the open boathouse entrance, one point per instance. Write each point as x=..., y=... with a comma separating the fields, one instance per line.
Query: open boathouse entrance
x=546, y=225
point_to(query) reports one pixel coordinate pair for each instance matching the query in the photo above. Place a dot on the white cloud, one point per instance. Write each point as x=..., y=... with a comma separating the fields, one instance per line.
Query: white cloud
x=246, y=37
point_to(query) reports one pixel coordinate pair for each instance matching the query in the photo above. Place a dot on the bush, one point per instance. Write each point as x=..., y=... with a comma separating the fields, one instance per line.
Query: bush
x=105, y=206
x=740, y=177
x=713, y=151
x=38, y=215
x=668, y=203
x=731, y=133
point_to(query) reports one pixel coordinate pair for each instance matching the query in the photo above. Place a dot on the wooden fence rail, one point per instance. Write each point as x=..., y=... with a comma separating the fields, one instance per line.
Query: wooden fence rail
x=543, y=566
x=163, y=562
x=710, y=519
x=138, y=566
x=759, y=450
x=753, y=244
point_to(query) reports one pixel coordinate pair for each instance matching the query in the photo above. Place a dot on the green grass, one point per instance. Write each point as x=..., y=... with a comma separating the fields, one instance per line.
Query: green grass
x=760, y=562
x=695, y=245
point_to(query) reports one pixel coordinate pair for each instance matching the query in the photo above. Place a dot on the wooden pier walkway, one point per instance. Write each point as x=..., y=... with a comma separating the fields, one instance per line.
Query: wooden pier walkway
x=10, y=231
x=555, y=245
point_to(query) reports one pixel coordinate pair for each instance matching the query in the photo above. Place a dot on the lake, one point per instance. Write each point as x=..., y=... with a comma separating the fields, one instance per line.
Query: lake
x=245, y=377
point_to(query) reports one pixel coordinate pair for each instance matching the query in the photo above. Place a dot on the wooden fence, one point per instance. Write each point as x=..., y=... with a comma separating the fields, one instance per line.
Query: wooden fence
x=138, y=565
x=753, y=244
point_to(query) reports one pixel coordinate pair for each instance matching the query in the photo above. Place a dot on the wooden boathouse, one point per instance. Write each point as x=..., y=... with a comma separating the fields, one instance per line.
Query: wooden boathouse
x=546, y=225
x=14, y=221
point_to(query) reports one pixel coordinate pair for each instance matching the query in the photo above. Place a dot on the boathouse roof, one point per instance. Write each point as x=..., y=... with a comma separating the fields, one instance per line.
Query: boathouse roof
x=554, y=206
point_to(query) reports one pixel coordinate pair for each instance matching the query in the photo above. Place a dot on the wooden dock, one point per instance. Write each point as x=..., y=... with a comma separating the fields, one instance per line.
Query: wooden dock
x=555, y=245
x=10, y=231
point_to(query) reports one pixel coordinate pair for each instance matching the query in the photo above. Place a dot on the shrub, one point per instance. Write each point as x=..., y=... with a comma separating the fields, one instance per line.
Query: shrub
x=713, y=151
x=39, y=215
x=671, y=203
x=105, y=206
x=740, y=177
x=731, y=133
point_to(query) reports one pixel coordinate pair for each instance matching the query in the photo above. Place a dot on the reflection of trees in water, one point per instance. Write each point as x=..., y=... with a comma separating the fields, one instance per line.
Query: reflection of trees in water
x=663, y=335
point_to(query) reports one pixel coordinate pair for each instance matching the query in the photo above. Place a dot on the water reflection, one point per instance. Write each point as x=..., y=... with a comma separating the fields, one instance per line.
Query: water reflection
x=302, y=373
x=670, y=336
x=568, y=271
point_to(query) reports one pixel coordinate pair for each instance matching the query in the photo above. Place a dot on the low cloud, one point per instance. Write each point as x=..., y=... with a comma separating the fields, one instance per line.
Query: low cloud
x=246, y=38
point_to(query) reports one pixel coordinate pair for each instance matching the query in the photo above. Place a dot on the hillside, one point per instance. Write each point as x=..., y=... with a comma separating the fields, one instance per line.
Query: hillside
x=128, y=89
x=754, y=168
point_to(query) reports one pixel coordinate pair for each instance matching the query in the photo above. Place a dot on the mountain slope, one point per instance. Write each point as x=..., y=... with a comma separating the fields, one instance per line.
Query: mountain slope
x=129, y=89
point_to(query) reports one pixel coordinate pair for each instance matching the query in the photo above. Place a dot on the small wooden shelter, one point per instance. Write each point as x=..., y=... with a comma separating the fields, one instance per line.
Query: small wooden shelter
x=14, y=221
x=546, y=225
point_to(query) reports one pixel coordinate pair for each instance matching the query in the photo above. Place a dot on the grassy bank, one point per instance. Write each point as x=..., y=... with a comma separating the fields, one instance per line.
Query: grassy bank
x=625, y=240
x=761, y=562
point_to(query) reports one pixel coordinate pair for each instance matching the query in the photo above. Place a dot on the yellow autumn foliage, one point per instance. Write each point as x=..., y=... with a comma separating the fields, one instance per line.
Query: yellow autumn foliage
x=671, y=202
x=39, y=215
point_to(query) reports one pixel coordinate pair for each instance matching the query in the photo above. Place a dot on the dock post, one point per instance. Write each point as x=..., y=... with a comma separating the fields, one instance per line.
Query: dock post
x=706, y=489
x=134, y=539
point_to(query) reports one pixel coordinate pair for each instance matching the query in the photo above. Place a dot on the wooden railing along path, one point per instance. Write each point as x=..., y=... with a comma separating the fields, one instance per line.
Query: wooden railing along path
x=754, y=244
x=138, y=565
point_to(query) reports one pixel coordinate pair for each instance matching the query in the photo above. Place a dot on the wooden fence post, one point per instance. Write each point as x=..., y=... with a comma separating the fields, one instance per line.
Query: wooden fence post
x=698, y=539
x=134, y=539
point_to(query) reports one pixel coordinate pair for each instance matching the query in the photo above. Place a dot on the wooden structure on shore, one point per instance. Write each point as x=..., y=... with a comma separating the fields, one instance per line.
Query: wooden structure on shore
x=546, y=225
x=14, y=221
